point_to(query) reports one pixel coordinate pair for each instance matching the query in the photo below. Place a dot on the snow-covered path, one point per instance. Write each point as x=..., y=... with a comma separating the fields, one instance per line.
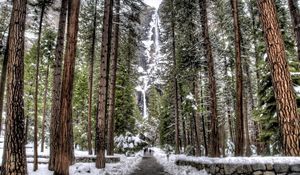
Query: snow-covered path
x=149, y=166
x=170, y=166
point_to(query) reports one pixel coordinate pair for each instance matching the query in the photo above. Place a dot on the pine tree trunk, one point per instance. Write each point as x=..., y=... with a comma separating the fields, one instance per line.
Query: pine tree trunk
x=247, y=150
x=239, y=141
x=3, y=82
x=91, y=78
x=215, y=151
x=191, y=131
x=104, y=76
x=129, y=52
x=295, y=15
x=203, y=118
x=112, y=80
x=97, y=132
x=56, y=89
x=14, y=154
x=45, y=108
x=197, y=120
x=222, y=139
x=65, y=142
x=27, y=116
x=176, y=110
x=283, y=88
x=249, y=101
x=185, y=133
x=97, y=142
x=35, y=161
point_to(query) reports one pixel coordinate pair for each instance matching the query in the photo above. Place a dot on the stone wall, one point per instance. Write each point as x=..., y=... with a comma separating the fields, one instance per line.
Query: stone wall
x=108, y=159
x=235, y=169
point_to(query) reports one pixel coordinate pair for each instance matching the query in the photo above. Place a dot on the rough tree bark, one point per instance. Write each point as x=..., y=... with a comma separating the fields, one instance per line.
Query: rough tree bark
x=56, y=89
x=176, y=110
x=91, y=78
x=112, y=80
x=197, y=120
x=215, y=151
x=96, y=129
x=185, y=133
x=247, y=149
x=191, y=132
x=35, y=161
x=14, y=155
x=283, y=88
x=65, y=141
x=250, y=102
x=203, y=122
x=104, y=75
x=45, y=108
x=239, y=141
x=295, y=15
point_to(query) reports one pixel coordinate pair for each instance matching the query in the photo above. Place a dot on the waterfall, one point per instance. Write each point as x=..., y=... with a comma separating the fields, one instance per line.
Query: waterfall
x=157, y=48
x=147, y=73
x=145, y=113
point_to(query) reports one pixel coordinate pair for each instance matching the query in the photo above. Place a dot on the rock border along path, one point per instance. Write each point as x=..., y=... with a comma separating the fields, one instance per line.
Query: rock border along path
x=235, y=169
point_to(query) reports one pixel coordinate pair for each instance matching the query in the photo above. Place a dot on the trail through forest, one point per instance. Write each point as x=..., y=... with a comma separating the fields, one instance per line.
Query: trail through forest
x=149, y=166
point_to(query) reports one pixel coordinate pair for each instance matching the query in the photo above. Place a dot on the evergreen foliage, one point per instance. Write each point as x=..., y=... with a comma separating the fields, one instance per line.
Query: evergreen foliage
x=47, y=55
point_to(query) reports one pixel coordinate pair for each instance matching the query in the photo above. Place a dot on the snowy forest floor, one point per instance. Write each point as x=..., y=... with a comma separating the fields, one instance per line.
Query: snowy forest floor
x=126, y=166
x=158, y=164
x=155, y=164
x=152, y=165
x=137, y=165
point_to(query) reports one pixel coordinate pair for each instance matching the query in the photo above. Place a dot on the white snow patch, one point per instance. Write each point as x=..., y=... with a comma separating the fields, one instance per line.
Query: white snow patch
x=297, y=89
x=126, y=166
x=295, y=73
x=190, y=97
x=141, y=70
x=172, y=168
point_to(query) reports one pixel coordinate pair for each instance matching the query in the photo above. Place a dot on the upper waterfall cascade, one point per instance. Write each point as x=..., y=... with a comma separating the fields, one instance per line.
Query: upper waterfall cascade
x=148, y=72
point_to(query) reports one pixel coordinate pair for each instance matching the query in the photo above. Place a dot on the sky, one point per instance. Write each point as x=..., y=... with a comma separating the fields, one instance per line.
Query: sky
x=153, y=3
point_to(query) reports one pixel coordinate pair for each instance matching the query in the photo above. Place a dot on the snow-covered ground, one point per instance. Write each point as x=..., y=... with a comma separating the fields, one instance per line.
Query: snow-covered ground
x=125, y=167
x=172, y=168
